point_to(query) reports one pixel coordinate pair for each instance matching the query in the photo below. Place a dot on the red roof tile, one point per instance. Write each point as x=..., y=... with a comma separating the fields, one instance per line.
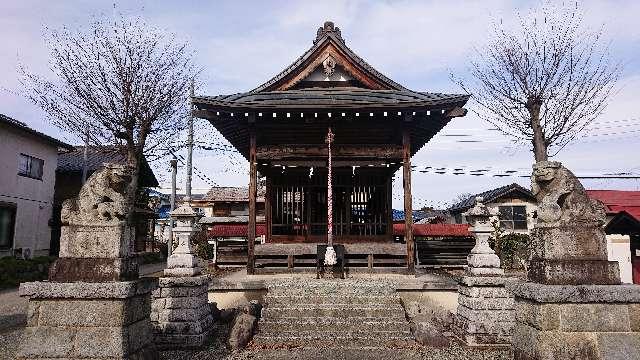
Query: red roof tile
x=458, y=230
x=619, y=200
x=234, y=230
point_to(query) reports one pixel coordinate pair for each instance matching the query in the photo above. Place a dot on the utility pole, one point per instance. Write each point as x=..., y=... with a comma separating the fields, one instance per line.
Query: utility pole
x=190, y=144
x=172, y=203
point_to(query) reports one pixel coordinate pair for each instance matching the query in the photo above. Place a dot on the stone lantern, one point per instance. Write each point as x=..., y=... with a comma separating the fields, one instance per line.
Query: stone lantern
x=182, y=262
x=485, y=315
x=482, y=261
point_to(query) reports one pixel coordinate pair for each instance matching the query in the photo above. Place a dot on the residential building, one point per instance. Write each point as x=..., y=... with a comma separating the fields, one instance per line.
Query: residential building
x=515, y=204
x=623, y=230
x=28, y=161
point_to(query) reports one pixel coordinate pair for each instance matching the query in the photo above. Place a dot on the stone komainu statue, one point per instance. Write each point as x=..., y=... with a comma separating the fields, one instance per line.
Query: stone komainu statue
x=562, y=200
x=103, y=197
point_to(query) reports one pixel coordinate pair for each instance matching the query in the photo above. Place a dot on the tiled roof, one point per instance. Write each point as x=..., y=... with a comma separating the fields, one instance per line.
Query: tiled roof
x=618, y=201
x=420, y=215
x=334, y=98
x=492, y=195
x=231, y=193
x=97, y=156
x=454, y=230
x=234, y=230
x=4, y=119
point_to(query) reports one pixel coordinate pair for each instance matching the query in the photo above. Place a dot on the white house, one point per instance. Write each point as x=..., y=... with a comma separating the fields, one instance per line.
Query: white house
x=28, y=161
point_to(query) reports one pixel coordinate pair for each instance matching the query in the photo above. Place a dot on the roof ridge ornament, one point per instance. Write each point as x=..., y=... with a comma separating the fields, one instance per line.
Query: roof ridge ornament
x=327, y=29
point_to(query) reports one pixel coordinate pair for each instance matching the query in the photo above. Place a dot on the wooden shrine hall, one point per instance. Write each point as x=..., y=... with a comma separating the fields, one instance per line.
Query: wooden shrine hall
x=281, y=128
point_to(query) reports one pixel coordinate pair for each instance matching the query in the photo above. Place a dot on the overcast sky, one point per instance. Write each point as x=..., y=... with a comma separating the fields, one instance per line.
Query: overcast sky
x=241, y=44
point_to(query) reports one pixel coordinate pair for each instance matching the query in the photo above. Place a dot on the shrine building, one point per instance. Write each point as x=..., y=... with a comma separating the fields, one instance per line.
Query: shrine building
x=281, y=128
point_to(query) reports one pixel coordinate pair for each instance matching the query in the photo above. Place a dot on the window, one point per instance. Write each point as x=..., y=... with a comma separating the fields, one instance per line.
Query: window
x=7, y=224
x=513, y=217
x=30, y=166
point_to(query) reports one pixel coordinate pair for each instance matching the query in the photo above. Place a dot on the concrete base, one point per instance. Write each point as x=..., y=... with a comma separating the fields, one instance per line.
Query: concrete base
x=181, y=315
x=88, y=321
x=485, y=313
x=576, y=322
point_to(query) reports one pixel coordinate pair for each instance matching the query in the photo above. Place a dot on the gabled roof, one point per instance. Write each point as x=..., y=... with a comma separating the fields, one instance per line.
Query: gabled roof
x=97, y=156
x=328, y=42
x=619, y=200
x=493, y=195
x=373, y=90
x=19, y=125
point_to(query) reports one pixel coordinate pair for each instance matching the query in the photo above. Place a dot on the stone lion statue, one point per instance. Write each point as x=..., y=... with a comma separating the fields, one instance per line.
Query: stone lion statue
x=562, y=200
x=102, y=198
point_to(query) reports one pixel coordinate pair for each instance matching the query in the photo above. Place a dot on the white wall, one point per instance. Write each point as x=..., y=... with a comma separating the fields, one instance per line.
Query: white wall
x=619, y=249
x=33, y=198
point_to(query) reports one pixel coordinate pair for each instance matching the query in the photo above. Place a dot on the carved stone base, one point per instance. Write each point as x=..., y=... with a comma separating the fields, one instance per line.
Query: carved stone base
x=574, y=272
x=88, y=321
x=577, y=242
x=181, y=316
x=96, y=240
x=590, y=322
x=93, y=270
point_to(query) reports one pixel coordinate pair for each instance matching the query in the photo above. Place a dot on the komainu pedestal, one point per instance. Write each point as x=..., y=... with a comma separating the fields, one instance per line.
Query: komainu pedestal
x=93, y=306
x=181, y=315
x=485, y=308
x=108, y=320
x=572, y=306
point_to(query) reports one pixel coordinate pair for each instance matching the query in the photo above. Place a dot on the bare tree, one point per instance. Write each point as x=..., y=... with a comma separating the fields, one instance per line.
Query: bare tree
x=123, y=82
x=545, y=81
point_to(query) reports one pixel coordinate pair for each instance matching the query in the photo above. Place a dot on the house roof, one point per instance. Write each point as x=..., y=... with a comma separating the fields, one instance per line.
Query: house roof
x=19, y=125
x=448, y=230
x=492, y=195
x=232, y=194
x=97, y=156
x=618, y=201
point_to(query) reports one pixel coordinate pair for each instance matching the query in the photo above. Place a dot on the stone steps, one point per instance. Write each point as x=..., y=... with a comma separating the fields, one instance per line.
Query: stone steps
x=276, y=300
x=333, y=314
x=309, y=324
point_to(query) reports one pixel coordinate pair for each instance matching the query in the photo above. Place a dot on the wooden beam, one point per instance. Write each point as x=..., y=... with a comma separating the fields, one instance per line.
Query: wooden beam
x=253, y=181
x=408, y=208
x=268, y=202
x=282, y=152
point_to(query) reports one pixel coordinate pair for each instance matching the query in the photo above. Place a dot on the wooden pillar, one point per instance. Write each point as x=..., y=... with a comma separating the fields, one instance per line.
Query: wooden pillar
x=253, y=180
x=268, y=203
x=408, y=208
x=389, y=207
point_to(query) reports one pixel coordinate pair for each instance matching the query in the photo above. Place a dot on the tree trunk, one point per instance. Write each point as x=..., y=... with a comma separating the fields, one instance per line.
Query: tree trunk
x=134, y=161
x=539, y=141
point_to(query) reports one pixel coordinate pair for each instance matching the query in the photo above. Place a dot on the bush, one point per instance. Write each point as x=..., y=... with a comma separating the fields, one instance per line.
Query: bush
x=203, y=249
x=513, y=250
x=15, y=271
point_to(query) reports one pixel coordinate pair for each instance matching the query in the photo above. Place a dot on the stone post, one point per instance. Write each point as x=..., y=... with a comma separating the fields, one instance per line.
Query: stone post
x=572, y=306
x=181, y=315
x=93, y=306
x=485, y=308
